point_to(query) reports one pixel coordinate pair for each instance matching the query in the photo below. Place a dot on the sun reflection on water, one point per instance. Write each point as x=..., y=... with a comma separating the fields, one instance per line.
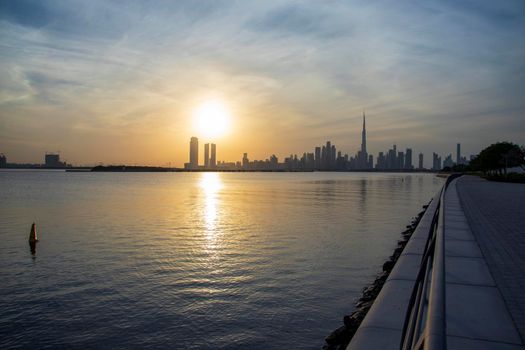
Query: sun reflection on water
x=210, y=184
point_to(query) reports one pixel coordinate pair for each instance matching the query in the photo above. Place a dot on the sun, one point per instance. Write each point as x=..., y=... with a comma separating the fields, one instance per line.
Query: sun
x=212, y=119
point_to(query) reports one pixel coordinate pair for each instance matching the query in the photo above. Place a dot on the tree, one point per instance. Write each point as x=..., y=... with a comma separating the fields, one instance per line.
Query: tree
x=498, y=157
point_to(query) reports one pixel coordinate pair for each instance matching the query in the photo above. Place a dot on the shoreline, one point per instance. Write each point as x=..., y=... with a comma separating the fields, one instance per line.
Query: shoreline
x=341, y=337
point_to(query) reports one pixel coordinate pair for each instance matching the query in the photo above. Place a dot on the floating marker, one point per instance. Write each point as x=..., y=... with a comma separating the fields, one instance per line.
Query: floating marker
x=32, y=235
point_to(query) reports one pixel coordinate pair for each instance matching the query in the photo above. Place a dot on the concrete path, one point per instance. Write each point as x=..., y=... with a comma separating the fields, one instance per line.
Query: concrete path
x=495, y=213
x=477, y=316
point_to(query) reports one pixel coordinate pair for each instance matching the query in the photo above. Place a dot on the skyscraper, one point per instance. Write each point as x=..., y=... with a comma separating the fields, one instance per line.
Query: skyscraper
x=213, y=158
x=317, y=158
x=400, y=160
x=363, y=137
x=328, y=155
x=207, y=156
x=436, y=162
x=245, y=161
x=333, y=157
x=408, y=158
x=458, y=154
x=194, y=153
x=362, y=155
x=3, y=161
x=420, y=161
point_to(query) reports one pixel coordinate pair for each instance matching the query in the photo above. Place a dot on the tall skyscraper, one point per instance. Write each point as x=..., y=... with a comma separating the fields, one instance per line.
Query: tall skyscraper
x=436, y=162
x=194, y=153
x=245, y=161
x=317, y=158
x=213, y=158
x=381, y=161
x=363, y=137
x=400, y=160
x=333, y=157
x=420, y=161
x=408, y=158
x=207, y=155
x=362, y=156
x=458, y=154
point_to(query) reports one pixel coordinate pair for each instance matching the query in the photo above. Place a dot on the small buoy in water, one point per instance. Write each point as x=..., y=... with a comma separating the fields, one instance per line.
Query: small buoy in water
x=32, y=235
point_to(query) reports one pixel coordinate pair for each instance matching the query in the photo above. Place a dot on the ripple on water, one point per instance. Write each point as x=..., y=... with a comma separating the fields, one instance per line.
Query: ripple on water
x=247, y=261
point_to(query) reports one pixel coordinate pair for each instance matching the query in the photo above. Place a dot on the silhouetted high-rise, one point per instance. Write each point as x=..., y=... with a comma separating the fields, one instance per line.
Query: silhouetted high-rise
x=363, y=135
x=436, y=162
x=362, y=159
x=207, y=155
x=408, y=159
x=194, y=153
x=245, y=161
x=213, y=158
x=3, y=161
x=317, y=158
x=420, y=161
x=458, y=154
x=448, y=162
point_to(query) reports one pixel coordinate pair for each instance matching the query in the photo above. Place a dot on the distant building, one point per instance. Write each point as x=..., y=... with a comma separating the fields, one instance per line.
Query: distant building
x=309, y=161
x=245, y=161
x=420, y=167
x=327, y=155
x=408, y=159
x=194, y=153
x=213, y=158
x=52, y=160
x=448, y=162
x=436, y=162
x=3, y=161
x=362, y=159
x=317, y=158
x=333, y=158
x=381, y=161
x=458, y=154
x=400, y=160
x=392, y=158
x=206, y=155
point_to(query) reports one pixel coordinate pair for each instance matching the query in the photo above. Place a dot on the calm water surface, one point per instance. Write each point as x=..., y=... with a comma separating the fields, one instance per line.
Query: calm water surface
x=193, y=260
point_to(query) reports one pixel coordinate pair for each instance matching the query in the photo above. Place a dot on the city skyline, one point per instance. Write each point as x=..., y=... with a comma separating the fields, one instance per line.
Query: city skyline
x=360, y=162
x=122, y=84
x=327, y=158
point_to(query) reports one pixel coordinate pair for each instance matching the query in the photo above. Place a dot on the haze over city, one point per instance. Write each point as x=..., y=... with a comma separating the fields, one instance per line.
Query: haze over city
x=126, y=82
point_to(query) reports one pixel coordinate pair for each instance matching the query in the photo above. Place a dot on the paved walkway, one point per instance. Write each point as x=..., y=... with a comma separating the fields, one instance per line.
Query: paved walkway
x=484, y=238
x=477, y=315
x=496, y=214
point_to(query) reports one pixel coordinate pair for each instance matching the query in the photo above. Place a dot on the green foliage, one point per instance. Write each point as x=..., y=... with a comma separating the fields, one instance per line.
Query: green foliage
x=498, y=157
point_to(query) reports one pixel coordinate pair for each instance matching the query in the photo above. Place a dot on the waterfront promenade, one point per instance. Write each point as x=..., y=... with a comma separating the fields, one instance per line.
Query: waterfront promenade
x=483, y=289
x=496, y=215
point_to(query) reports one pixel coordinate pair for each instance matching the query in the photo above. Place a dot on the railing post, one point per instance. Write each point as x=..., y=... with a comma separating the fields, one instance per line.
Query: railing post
x=436, y=327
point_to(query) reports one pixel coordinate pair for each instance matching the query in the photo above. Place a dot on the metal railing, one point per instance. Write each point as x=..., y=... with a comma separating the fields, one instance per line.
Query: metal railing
x=425, y=326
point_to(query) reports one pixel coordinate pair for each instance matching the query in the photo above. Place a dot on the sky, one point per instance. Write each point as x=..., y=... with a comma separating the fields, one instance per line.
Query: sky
x=118, y=82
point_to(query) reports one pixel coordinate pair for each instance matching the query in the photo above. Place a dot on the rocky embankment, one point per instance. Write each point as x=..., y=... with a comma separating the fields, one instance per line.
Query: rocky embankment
x=340, y=338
